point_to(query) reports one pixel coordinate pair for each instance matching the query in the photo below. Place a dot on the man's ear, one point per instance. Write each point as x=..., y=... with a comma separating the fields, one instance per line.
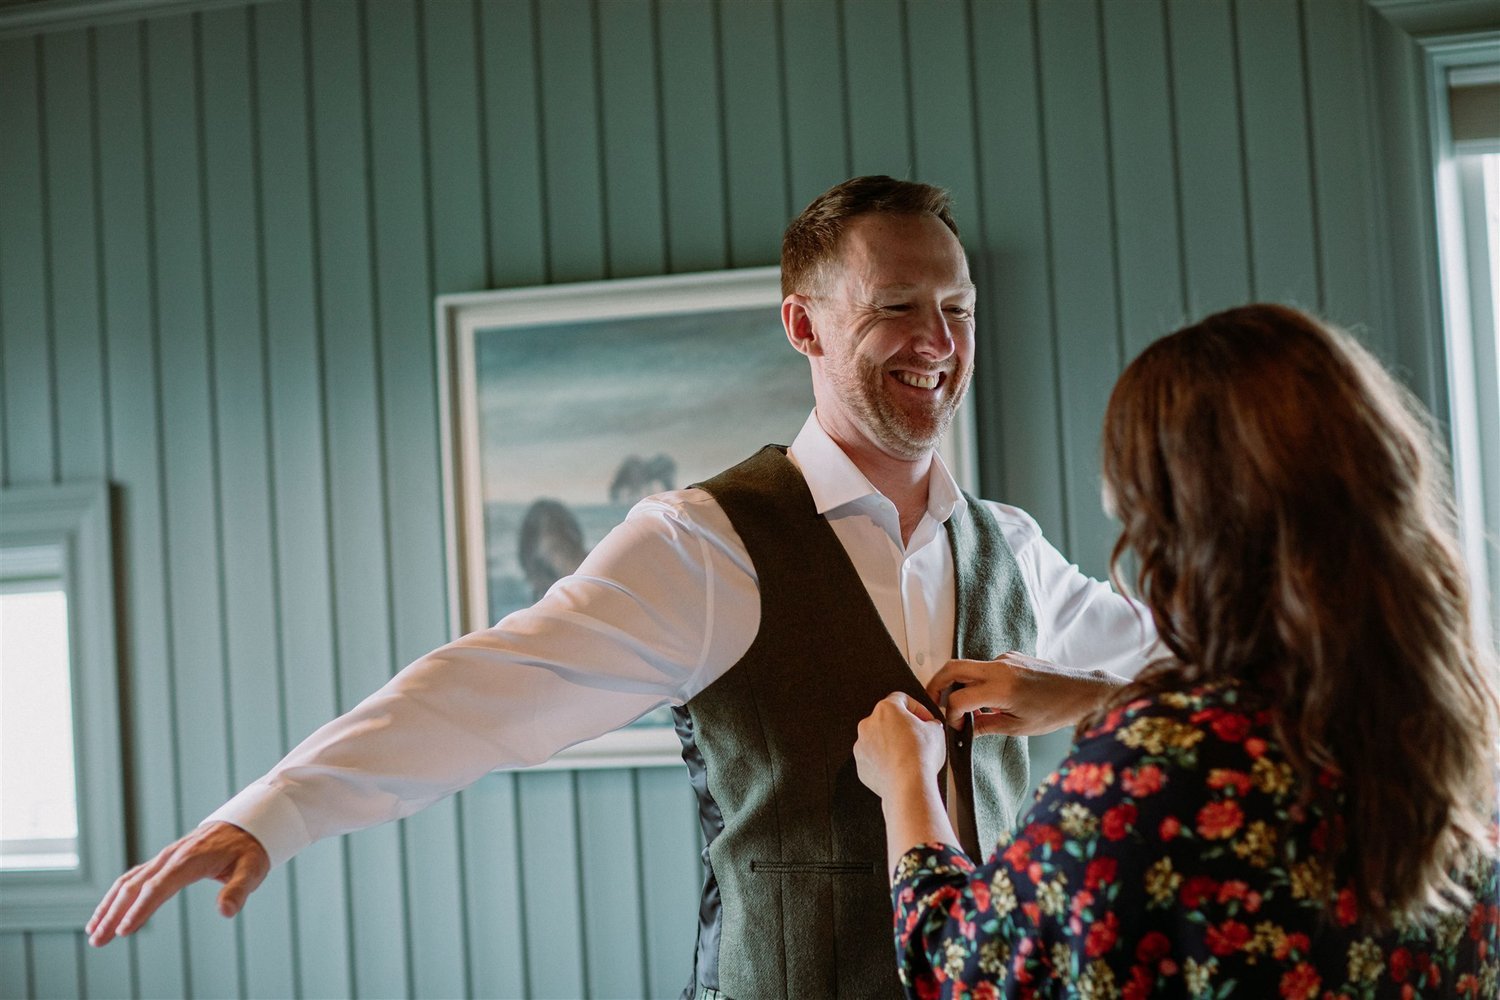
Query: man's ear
x=797, y=318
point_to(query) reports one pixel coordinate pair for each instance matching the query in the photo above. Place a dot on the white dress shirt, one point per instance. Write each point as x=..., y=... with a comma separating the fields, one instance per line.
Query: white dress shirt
x=664, y=605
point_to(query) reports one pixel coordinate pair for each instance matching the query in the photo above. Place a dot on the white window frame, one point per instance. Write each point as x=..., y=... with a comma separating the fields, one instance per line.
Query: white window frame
x=75, y=518
x=1468, y=324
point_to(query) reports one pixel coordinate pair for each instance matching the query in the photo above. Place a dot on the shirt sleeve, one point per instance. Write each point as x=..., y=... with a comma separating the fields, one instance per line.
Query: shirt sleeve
x=661, y=607
x=1081, y=622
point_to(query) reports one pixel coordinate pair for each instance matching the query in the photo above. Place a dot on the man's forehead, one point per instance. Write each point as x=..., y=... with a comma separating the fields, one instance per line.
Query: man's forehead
x=963, y=286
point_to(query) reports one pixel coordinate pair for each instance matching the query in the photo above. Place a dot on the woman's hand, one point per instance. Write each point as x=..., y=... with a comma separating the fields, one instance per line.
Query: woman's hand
x=900, y=750
x=900, y=746
x=1019, y=695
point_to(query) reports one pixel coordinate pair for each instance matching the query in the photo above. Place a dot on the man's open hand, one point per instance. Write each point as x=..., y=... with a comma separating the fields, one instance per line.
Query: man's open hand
x=220, y=851
x=1019, y=695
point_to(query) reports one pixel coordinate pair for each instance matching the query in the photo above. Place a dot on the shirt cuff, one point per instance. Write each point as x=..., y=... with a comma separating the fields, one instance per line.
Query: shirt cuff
x=262, y=811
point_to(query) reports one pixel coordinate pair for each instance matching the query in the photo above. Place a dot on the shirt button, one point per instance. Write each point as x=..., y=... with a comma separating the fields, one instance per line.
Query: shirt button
x=921, y=659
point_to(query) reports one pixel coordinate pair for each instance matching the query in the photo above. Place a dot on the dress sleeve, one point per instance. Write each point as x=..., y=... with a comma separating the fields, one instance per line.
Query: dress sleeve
x=1043, y=908
x=662, y=605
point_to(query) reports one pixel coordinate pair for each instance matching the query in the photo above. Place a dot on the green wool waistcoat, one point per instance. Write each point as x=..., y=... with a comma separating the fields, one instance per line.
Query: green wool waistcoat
x=796, y=900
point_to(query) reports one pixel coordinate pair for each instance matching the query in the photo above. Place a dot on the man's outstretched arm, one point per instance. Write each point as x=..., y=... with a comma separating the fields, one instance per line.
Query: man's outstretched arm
x=629, y=631
x=220, y=851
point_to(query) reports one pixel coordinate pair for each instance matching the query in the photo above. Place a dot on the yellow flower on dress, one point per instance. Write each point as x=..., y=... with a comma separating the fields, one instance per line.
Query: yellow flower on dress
x=1366, y=961
x=994, y=956
x=1062, y=961
x=1098, y=982
x=956, y=953
x=1257, y=844
x=1002, y=894
x=1078, y=821
x=1269, y=939
x=1272, y=777
x=1162, y=882
x=1310, y=880
x=1052, y=897
x=1199, y=978
x=1154, y=734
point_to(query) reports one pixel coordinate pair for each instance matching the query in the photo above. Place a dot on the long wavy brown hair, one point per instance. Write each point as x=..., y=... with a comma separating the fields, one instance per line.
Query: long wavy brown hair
x=1290, y=513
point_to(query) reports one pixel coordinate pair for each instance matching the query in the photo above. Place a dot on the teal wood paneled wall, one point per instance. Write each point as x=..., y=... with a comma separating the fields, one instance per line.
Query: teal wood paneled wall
x=220, y=236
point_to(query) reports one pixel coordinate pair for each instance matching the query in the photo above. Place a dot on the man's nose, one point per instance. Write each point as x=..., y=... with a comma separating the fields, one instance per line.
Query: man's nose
x=935, y=337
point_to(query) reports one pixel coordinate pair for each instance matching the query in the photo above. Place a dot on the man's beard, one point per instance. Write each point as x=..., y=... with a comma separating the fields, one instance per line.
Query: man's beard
x=908, y=433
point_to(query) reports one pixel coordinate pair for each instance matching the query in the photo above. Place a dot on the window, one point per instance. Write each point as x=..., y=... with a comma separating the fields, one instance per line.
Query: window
x=61, y=808
x=1465, y=84
x=38, y=812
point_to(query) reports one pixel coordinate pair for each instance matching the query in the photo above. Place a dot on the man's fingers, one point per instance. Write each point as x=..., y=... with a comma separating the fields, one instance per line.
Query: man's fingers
x=246, y=878
x=121, y=896
x=108, y=900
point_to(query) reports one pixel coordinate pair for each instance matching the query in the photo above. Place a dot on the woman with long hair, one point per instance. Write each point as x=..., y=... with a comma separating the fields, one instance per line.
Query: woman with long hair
x=1298, y=799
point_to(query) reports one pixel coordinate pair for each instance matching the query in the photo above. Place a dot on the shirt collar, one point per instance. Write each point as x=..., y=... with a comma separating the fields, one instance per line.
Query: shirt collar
x=835, y=481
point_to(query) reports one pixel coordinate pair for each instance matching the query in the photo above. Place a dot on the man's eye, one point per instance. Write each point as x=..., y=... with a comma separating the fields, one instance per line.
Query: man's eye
x=960, y=312
x=896, y=307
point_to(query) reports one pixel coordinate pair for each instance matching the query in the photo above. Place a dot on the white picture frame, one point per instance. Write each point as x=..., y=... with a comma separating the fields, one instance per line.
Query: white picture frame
x=539, y=387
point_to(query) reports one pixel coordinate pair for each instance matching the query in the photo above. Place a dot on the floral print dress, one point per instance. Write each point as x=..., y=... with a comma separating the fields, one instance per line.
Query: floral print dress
x=1168, y=857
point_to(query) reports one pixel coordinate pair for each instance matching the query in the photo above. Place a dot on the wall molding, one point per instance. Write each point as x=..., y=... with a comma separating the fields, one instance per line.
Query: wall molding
x=1431, y=17
x=37, y=17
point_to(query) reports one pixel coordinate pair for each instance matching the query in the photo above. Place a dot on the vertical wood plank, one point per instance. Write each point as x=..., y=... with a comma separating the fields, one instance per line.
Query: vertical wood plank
x=323, y=951
x=135, y=462
x=692, y=136
x=1413, y=343
x=244, y=471
x=14, y=980
x=73, y=264
x=1211, y=176
x=942, y=103
x=54, y=965
x=755, y=150
x=671, y=875
x=556, y=951
x=812, y=69
x=1278, y=172
x=194, y=576
x=576, y=241
x=400, y=175
x=1015, y=361
x=498, y=933
x=1147, y=249
x=876, y=82
x=1080, y=217
x=30, y=430
x=107, y=972
x=513, y=148
x=1341, y=145
x=609, y=871
x=453, y=137
x=631, y=119
x=361, y=588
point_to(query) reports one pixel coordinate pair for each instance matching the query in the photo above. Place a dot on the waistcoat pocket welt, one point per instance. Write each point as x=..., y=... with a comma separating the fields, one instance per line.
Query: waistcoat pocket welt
x=816, y=868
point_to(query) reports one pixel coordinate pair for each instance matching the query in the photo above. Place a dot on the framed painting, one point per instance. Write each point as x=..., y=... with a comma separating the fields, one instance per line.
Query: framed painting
x=564, y=405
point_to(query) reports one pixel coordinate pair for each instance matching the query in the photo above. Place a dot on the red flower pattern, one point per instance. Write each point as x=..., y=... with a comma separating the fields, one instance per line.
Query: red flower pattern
x=1080, y=887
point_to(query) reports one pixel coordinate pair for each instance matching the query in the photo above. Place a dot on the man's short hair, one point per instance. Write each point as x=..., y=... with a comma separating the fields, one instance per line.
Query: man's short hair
x=811, y=242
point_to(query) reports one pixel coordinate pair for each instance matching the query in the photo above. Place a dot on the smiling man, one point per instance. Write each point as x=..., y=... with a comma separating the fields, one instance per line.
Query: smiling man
x=772, y=606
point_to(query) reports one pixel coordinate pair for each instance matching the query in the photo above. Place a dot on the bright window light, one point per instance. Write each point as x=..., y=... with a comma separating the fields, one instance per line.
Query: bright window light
x=38, y=805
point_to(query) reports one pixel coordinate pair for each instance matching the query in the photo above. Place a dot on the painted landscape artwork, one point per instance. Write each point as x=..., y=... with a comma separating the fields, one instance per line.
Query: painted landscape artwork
x=580, y=420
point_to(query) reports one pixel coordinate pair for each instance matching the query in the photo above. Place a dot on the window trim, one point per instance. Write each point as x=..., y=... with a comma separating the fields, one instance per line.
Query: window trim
x=1475, y=452
x=76, y=517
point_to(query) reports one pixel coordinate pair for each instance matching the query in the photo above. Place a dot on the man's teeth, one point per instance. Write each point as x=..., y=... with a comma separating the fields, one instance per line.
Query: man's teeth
x=919, y=381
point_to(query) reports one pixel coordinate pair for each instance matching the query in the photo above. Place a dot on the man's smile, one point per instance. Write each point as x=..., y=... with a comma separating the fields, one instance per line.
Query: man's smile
x=919, y=380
